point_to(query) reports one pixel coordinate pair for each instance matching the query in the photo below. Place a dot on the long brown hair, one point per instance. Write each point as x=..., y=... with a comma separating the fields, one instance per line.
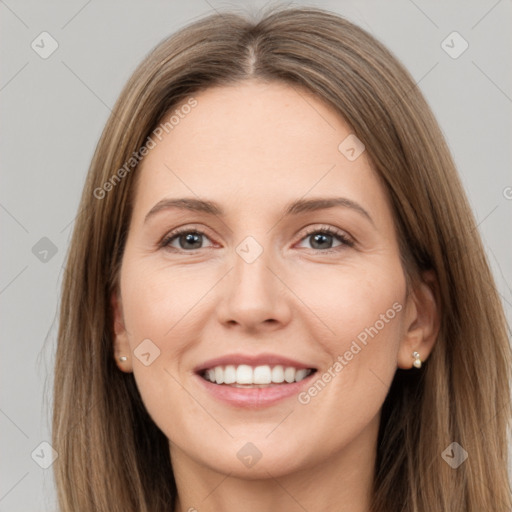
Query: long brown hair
x=111, y=454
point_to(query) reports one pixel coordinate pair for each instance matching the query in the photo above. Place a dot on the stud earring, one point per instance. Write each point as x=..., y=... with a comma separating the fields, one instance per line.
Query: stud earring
x=417, y=361
x=123, y=359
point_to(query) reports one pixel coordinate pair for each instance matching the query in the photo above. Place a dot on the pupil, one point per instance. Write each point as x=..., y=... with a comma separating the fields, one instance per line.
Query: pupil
x=319, y=238
x=191, y=238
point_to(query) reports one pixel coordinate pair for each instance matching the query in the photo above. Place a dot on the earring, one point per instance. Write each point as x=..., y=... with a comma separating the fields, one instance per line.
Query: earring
x=417, y=361
x=123, y=359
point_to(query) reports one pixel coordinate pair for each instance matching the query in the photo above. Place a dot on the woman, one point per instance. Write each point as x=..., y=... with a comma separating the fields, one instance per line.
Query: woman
x=331, y=339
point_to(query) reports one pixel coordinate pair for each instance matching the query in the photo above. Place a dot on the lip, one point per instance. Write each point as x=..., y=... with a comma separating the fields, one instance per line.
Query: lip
x=251, y=360
x=254, y=398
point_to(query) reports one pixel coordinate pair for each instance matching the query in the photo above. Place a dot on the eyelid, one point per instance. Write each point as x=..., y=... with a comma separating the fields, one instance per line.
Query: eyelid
x=345, y=239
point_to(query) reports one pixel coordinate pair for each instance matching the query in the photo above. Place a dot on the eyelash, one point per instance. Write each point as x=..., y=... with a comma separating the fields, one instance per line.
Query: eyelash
x=325, y=230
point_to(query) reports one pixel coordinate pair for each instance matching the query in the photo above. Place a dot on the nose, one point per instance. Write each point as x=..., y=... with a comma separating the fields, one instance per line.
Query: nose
x=254, y=296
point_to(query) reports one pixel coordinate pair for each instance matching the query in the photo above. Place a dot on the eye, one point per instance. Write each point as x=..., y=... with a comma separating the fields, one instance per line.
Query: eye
x=184, y=239
x=322, y=239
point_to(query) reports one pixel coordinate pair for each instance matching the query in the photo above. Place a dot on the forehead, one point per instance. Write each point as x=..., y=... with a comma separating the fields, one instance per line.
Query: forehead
x=247, y=117
x=255, y=144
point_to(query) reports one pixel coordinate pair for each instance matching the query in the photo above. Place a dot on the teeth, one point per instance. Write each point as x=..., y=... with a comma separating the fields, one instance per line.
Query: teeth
x=229, y=374
x=301, y=374
x=262, y=375
x=243, y=374
x=289, y=374
x=278, y=374
x=259, y=375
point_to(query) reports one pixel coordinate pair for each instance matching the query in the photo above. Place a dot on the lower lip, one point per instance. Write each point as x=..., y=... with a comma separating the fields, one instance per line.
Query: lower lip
x=254, y=398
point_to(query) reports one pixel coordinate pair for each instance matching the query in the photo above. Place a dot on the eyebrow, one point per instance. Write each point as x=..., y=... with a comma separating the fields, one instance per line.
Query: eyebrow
x=294, y=208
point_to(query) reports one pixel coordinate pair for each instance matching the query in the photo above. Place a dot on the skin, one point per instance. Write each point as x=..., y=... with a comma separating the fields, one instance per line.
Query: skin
x=252, y=148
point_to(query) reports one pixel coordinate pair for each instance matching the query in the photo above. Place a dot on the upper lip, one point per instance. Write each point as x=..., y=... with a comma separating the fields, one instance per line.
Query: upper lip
x=252, y=360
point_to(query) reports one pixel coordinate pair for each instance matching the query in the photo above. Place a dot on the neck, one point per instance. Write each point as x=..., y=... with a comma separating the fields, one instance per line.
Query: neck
x=341, y=482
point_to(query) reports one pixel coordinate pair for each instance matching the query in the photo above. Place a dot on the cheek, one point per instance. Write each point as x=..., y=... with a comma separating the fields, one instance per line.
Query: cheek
x=364, y=309
x=162, y=305
x=355, y=303
x=159, y=301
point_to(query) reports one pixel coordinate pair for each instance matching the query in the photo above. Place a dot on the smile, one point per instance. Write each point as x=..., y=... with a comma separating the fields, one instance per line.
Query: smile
x=253, y=381
x=244, y=375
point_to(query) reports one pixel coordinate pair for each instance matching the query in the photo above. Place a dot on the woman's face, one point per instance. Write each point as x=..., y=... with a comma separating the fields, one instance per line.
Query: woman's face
x=285, y=274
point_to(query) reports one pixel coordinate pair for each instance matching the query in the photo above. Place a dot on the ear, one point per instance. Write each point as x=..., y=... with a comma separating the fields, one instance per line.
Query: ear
x=121, y=343
x=422, y=320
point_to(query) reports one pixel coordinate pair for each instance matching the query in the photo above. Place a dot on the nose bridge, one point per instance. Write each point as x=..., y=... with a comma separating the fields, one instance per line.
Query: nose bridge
x=252, y=293
x=252, y=278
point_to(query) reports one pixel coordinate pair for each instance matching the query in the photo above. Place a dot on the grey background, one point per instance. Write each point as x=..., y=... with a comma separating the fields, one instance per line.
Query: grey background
x=53, y=111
